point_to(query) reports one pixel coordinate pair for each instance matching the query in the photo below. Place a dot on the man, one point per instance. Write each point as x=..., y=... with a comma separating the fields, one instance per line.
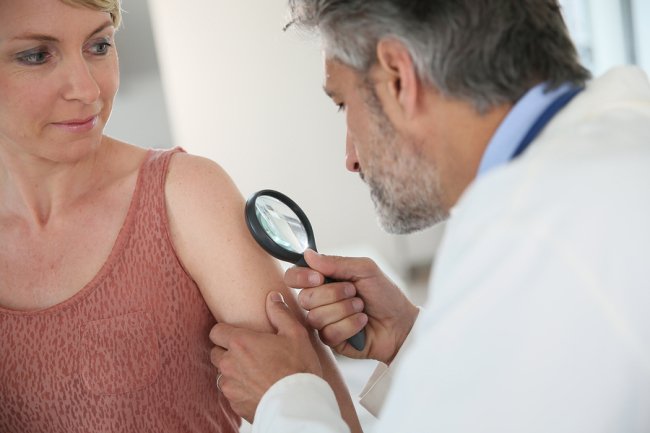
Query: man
x=539, y=320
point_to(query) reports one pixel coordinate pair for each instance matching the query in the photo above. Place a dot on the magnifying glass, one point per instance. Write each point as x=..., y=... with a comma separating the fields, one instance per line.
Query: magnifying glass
x=280, y=227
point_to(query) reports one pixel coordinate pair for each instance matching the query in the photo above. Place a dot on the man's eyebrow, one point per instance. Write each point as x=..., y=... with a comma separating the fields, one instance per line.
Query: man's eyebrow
x=48, y=38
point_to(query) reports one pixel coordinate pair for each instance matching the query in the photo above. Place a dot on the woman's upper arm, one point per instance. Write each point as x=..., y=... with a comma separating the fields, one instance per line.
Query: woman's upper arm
x=234, y=274
x=206, y=219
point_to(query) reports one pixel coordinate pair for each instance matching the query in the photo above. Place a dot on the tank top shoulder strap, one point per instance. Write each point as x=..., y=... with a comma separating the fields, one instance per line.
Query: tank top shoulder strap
x=154, y=169
x=153, y=175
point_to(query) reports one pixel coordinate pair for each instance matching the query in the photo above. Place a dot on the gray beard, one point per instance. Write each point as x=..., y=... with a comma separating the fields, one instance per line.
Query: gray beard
x=405, y=189
x=403, y=209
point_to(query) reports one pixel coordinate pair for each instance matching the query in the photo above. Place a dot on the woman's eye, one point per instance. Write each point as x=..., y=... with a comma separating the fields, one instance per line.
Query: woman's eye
x=101, y=48
x=34, y=57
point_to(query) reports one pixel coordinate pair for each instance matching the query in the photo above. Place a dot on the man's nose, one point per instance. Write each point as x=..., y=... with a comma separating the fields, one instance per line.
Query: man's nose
x=351, y=160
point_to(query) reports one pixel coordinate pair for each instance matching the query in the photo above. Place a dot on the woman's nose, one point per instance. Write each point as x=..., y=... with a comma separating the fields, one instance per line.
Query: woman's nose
x=80, y=83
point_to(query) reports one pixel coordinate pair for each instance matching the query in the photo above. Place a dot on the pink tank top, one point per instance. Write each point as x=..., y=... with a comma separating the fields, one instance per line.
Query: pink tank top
x=129, y=353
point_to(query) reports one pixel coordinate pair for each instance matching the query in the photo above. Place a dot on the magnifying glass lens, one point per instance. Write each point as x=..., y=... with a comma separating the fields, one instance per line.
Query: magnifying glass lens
x=281, y=224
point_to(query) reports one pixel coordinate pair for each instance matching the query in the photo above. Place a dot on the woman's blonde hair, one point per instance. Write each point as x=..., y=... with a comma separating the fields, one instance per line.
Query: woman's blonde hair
x=110, y=6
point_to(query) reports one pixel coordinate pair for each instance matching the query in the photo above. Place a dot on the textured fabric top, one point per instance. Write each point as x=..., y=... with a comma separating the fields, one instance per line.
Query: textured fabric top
x=127, y=353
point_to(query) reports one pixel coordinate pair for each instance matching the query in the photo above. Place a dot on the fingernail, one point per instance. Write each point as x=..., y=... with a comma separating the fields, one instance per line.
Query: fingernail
x=277, y=297
x=314, y=252
x=357, y=304
x=349, y=291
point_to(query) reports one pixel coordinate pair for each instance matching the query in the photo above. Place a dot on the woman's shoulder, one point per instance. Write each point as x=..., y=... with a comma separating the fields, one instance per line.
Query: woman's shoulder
x=192, y=183
x=195, y=177
x=202, y=200
x=189, y=166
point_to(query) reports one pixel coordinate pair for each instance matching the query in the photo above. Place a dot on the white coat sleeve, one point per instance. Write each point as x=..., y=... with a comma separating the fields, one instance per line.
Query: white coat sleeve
x=299, y=403
x=374, y=393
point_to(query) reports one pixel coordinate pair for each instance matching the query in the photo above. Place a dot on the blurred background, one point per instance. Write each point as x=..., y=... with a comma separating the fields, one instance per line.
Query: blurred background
x=222, y=80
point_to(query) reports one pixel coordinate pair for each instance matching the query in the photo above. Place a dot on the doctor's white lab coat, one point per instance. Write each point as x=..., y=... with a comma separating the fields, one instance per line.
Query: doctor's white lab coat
x=539, y=316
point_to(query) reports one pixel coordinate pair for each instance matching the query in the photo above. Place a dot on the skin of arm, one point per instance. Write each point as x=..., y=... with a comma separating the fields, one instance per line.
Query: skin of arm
x=234, y=275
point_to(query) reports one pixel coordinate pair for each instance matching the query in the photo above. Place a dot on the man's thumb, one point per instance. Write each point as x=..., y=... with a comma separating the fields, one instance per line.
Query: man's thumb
x=278, y=312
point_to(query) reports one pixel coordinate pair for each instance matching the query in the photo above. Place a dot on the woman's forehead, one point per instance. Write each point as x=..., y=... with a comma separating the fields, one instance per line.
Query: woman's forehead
x=52, y=18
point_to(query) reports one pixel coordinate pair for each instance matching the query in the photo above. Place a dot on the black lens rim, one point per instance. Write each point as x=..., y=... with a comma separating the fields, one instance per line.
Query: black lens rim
x=264, y=240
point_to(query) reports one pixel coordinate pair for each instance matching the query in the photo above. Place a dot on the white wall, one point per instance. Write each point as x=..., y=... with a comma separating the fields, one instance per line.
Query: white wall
x=599, y=29
x=607, y=35
x=244, y=93
x=249, y=96
x=641, y=17
x=140, y=112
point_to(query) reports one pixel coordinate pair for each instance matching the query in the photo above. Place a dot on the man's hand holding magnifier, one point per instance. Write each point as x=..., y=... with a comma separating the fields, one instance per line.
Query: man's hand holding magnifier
x=251, y=362
x=363, y=296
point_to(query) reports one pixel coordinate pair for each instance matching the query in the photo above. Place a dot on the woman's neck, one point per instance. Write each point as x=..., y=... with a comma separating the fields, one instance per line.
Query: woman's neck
x=37, y=190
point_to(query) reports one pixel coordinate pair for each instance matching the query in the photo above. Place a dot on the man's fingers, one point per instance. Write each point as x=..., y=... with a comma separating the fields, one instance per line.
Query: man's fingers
x=325, y=295
x=280, y=316
x=337, y=333
x=221, y=334
x=216, y=354
x=320, y=317
x=300, y=277
x=341, y=268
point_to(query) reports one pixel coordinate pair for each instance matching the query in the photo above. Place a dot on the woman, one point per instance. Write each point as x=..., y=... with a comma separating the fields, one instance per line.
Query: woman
x=115, y=260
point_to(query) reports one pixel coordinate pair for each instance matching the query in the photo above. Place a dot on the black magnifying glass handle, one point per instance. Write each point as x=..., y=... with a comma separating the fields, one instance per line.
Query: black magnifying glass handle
x=358, y=341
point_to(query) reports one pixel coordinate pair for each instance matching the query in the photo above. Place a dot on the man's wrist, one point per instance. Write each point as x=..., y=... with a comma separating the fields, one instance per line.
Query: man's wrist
x=406, y=331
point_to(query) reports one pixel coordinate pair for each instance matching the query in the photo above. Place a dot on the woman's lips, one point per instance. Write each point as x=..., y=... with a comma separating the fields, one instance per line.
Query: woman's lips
x=78, y=125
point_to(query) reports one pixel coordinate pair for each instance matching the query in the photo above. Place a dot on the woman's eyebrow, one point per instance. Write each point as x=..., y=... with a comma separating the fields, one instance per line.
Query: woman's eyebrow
x=48, y=38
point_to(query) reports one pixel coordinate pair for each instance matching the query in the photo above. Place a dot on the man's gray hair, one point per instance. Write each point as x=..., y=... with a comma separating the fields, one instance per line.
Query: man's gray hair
x=488, y=52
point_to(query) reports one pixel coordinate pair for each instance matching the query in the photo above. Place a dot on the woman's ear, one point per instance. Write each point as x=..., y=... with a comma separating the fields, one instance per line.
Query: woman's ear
x=396, y=79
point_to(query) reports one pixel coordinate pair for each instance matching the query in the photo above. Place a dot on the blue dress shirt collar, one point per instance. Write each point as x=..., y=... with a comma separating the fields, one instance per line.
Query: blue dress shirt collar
x=516, y=125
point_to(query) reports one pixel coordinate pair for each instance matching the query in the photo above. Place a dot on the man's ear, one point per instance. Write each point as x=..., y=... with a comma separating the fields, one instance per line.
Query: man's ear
x=396, y=78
